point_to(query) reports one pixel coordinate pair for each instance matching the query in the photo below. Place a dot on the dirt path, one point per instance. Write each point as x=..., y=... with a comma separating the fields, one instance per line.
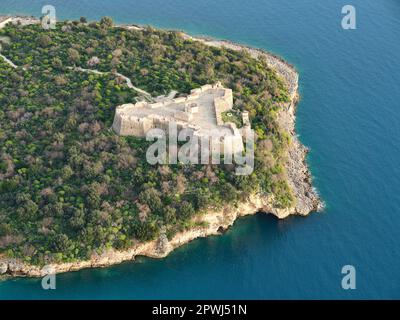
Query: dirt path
x=8, y=61
x=127, y=80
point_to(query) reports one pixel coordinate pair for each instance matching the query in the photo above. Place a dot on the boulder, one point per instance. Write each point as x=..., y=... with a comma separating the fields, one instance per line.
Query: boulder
x=3, y=267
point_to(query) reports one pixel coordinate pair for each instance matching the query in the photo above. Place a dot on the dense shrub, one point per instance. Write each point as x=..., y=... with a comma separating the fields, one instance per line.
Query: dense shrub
x=69, y=187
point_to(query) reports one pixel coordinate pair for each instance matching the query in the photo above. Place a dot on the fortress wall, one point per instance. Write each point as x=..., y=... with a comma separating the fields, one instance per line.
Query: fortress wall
x=161, y=123
x=134, y=126
x=117, y=123
x=222, y=104
x=237, y=144
x=245, y=119
x=195, y=91
x=222, y=142
x=206, y=87
x=217, y=85
x=194, y=109
x=138, y=126
x=184, y=116
x=192, y=97
x=179, y=100
x=225, y=102
x=147, y=124
x=203, y=89
x=207, y=143
x=236, y=139
x=127, y=127
x=182, y=125
x=218, y=115
x=156, y=105
x=140, y=104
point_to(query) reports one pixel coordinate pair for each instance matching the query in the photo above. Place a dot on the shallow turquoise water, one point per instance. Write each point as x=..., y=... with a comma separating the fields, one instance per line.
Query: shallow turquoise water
x=349, y=116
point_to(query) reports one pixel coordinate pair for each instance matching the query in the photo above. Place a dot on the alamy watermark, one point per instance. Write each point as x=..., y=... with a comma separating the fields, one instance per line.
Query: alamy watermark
x=349, y=21
x=49, y=19
x=214, y=146
x=349, y=280
x=49, y=278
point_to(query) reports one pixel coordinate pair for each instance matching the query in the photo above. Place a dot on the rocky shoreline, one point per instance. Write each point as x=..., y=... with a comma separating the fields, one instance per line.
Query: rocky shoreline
x=299, y=178
x=299, y=175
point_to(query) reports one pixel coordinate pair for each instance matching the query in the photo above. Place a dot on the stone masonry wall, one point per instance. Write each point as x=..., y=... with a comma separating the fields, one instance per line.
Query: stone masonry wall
x=125, y=124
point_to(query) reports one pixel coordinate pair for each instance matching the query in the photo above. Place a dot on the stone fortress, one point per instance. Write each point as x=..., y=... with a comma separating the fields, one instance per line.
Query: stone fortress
x=200, y=112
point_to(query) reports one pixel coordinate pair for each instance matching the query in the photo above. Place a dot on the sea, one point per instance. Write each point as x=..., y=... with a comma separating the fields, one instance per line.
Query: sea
x=349, y=117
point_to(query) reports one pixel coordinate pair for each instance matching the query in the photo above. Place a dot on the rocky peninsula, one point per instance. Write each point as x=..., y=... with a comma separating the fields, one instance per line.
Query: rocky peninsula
x=214, y=222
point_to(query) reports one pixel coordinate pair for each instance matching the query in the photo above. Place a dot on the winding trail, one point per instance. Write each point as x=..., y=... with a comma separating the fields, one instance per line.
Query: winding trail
x=8, y=61
x=127, y=80
x=26, y=21
x=4, y=20
x=130, y=85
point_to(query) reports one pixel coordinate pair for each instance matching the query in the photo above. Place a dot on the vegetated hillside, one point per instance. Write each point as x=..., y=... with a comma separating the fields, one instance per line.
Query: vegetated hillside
x=69, y=186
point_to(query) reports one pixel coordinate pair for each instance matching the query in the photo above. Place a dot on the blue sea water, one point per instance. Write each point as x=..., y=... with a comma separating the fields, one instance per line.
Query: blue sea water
x=349, y=116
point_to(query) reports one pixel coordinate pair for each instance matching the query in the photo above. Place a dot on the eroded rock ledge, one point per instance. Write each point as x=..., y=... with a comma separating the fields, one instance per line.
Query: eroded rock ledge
x=307, y=200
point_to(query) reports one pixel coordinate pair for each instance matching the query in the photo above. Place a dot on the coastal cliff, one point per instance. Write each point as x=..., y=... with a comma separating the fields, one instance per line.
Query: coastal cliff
x=213, y=222
x=299, y=176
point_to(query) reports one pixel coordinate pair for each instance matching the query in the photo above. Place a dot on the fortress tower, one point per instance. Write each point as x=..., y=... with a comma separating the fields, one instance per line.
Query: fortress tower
x=200, y=111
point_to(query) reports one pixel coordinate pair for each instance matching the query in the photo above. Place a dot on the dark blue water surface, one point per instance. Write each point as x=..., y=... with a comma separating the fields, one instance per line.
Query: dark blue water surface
x=350, y=117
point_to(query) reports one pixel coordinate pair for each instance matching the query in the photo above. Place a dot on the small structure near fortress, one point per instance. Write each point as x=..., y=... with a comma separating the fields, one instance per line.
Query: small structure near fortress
x=201, y=111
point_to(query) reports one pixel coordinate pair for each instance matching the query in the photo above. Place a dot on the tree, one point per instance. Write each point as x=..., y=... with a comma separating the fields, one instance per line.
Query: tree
x=60, y=242
x=151, y=197
x=77, y=220
x=170, y=215
x=106, y=22
x=185, y=210
x=57, y=63
x=44, y=40
x=73, y=55
x=60, y=80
